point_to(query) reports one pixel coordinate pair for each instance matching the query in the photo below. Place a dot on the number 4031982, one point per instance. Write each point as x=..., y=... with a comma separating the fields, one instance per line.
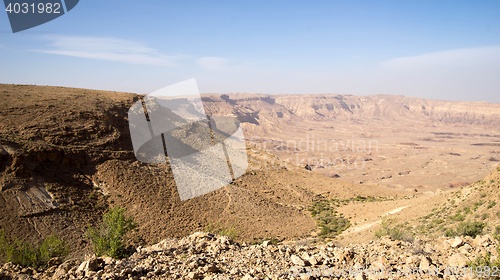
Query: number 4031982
x=32, y=8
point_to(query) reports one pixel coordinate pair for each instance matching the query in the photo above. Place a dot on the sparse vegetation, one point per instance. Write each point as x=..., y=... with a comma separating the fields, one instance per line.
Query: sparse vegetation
x=364, y=198
x=229, y=231
x=108, y=238
x=482, y=265
x=491, y=204
x=272, y=241
x=458, y=217
x=330, y=222
x=397, y=231
x=467, y=228
x=28, y=255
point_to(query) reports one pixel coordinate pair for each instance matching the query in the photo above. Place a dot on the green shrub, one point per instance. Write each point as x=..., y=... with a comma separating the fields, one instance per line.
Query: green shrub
x=491, y=204
x=483, y=265
x=458, y=217
x=364, y=198
x=467, y=228
x=108, y=238
x=28, y=255
x=397, y=231
x=329, y=221
x=230, y=231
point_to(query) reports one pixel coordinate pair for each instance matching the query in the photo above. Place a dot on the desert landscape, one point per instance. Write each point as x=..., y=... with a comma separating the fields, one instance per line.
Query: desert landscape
x=334, y=182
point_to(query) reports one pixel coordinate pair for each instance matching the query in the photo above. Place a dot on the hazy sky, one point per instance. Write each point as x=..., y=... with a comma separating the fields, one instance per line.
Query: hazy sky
x=432, y=49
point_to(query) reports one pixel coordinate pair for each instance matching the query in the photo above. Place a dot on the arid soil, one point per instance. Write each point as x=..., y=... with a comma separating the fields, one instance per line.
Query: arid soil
x=66, y=156
x=392, y=141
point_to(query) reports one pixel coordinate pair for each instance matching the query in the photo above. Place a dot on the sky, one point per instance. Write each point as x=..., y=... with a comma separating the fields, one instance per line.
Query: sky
x=447, y=50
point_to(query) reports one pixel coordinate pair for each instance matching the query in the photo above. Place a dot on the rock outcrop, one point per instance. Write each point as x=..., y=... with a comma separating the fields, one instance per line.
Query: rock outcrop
x=208, y=256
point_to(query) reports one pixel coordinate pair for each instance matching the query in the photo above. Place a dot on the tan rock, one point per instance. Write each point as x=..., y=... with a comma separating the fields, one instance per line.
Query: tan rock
x=457, y=242
x=296, y=260
x=457, y=260
x=425, y=263
x=194, y=275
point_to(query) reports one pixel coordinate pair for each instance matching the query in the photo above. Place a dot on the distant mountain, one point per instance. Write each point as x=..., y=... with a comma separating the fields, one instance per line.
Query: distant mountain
x=265, y=110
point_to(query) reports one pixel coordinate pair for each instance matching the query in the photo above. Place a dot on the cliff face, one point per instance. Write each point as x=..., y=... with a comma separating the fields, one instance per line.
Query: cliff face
x=277, y=108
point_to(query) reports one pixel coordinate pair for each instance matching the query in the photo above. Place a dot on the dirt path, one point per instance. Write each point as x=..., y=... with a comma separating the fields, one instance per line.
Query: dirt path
x=366, y=226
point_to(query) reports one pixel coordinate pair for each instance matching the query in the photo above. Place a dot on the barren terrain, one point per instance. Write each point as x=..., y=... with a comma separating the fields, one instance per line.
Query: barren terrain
x=392, y=141
x=66, y=156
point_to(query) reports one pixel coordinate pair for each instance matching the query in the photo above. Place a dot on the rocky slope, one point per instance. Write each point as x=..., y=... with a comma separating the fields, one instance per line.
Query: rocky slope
x=66, y=156
x=207, y=256
x=266, y=112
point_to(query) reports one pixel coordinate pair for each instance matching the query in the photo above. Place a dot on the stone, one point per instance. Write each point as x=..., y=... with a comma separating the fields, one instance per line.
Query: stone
x=212, y=268
x=305, y=256
x=296, y=260
x=247, y=277
x=412, y=260
x=482, y=240
x=361, y=276
x=194, y=275
x=54, y=261
x=108, y=260
x=457, y=260
x=94, y=264
x=306, y=277
x=82, y=266
x=465, y=249
x=175, y=260
x=457, y=242
x=425, y=263
x=316, y=260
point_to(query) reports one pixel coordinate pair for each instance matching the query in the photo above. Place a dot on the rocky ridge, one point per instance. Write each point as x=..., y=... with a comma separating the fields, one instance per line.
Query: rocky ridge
x=208, y=256
x=268, y=112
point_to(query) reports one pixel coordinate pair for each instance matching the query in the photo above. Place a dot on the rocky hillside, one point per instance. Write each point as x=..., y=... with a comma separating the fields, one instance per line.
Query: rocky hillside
x=265, y=111
x=66, y=156
x=51, y=139
x=208, y=256
x=476, y=203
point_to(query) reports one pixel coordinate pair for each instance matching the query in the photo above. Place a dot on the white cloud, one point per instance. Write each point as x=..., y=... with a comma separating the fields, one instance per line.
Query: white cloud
x=456, y=57
x=110, y=49
x=213, y=63
x=459, y=74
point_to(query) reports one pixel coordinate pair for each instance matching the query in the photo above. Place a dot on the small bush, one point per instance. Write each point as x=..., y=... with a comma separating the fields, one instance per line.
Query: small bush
x=458, y=217
x=397, y=231
x=483, y=265
x=230, y=231
x=491, y=204
x=28, y=255
x=108, y=238
x=466, y=228
x=329, y=221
